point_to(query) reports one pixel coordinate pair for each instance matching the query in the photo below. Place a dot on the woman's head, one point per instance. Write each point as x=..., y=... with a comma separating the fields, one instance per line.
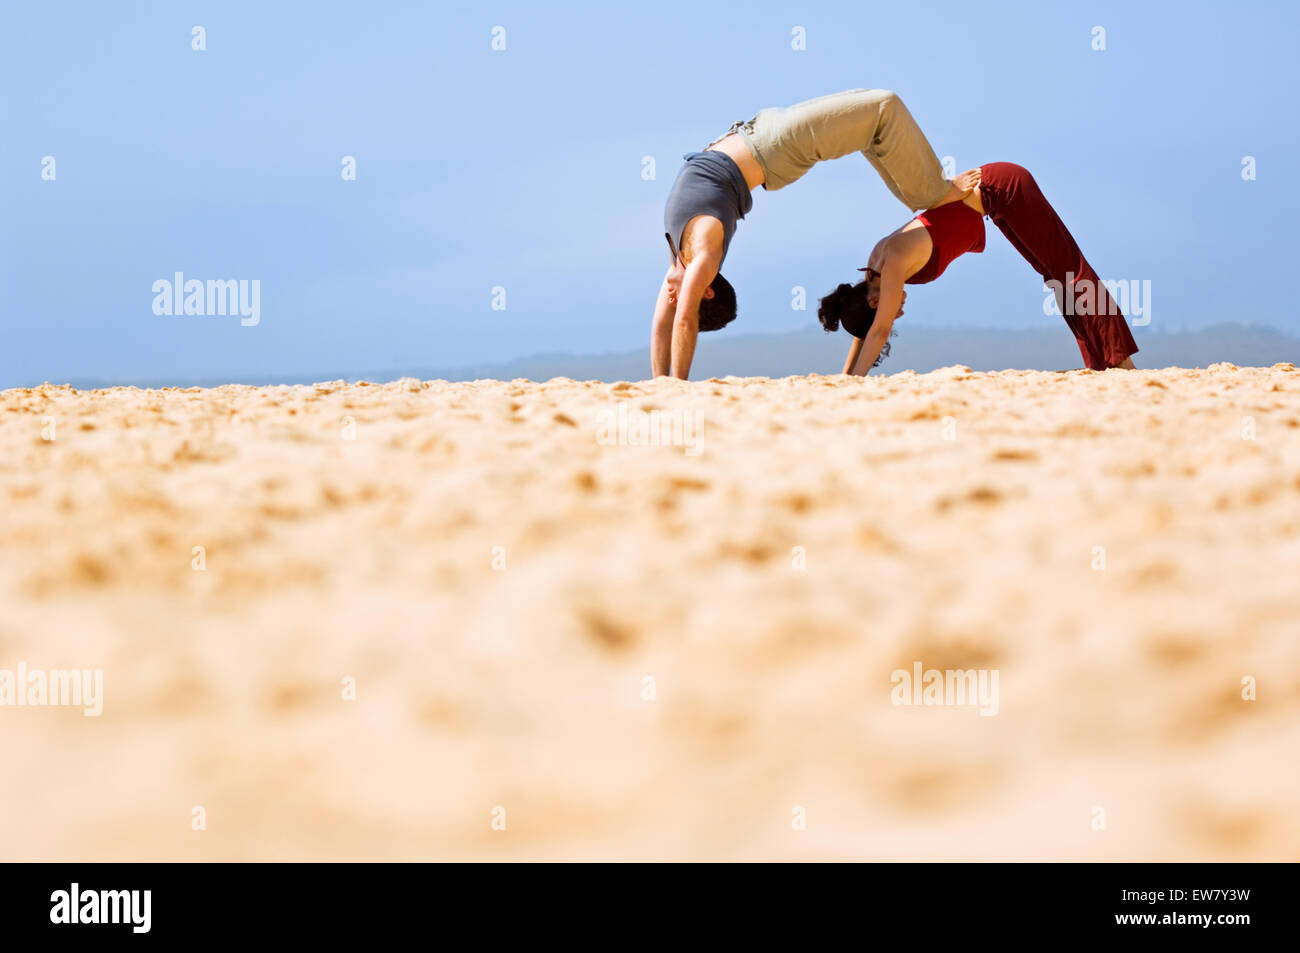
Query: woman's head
x=853, y=307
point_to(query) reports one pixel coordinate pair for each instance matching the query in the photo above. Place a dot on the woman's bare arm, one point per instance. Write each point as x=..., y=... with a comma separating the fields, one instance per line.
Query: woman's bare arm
x=890, y=303
x=852, y=359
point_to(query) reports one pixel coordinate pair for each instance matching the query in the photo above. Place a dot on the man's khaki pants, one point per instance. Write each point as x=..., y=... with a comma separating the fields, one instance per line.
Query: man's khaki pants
x=787, y=142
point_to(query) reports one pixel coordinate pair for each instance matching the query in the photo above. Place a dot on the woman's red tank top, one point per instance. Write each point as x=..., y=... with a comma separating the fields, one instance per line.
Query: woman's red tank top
x=954, y=229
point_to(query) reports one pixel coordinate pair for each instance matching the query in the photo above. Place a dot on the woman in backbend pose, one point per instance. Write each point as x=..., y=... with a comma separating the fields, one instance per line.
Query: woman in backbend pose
x=921, y=250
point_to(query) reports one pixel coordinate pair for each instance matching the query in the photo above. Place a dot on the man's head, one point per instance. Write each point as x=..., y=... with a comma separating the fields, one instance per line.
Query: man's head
x=718, y=306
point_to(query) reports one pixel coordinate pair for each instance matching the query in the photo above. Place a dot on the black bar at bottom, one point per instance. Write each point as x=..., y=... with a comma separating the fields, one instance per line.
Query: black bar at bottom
x=138, y=902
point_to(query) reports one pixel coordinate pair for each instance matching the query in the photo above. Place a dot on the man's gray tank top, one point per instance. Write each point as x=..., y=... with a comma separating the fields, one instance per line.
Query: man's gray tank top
x=710, y=183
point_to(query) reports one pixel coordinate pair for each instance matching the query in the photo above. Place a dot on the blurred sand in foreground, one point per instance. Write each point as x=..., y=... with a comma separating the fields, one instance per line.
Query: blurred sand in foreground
x=672, y=654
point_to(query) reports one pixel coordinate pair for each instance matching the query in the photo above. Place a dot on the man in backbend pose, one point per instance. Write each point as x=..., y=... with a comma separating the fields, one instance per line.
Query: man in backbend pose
x=921, y=250
x=773, y=149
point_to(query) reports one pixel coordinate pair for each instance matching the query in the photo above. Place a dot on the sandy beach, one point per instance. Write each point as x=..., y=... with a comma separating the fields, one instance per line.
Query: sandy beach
x=580, y=620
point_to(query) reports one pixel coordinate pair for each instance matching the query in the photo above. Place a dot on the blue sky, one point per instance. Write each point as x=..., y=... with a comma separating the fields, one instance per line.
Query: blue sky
x=522, y=169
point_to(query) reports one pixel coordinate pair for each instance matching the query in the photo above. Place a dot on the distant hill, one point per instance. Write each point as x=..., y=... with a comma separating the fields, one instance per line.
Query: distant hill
x=811, y=351
x=921, y=349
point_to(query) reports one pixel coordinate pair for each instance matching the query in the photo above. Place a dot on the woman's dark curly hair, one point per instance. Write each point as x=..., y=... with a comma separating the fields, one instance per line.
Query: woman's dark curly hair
x=847, y=307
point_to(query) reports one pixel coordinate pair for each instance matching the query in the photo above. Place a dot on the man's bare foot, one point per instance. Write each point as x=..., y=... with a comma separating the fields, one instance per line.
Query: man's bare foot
x=1127, y=365
x=968, y=180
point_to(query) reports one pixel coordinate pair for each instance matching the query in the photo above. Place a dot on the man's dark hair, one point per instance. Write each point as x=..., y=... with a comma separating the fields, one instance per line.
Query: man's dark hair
x=720, y=310
x=847, y=307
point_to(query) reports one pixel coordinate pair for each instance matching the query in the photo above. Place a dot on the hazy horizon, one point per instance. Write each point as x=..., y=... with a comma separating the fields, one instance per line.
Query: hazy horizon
x=919, y=348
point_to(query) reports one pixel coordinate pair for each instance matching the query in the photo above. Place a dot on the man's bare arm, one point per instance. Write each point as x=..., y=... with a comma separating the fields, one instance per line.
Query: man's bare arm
x=661, y=332
x=686, y=323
